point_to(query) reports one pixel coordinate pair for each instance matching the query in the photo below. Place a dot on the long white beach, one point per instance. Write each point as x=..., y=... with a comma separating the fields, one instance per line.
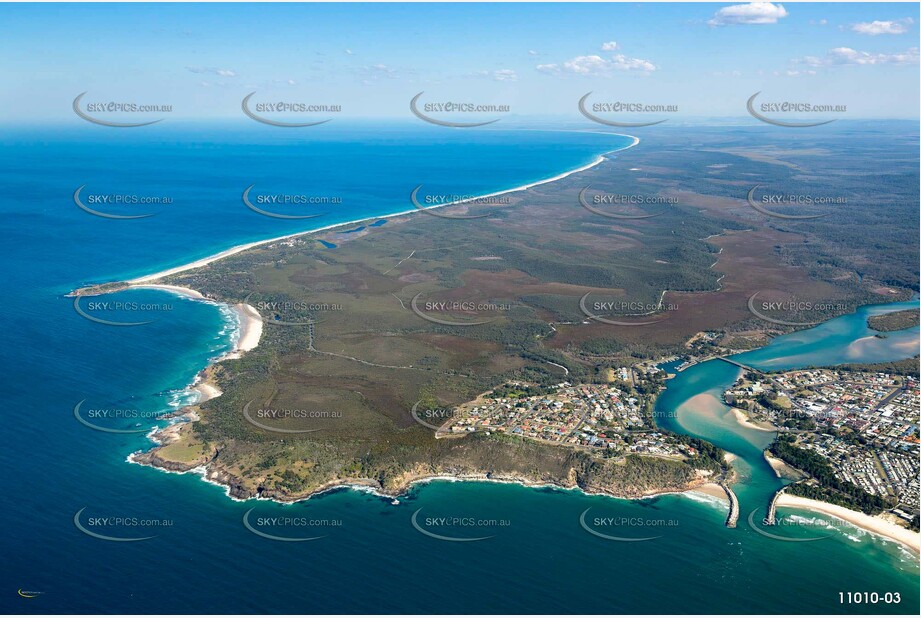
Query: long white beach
x=873, y=524
x=239, y=248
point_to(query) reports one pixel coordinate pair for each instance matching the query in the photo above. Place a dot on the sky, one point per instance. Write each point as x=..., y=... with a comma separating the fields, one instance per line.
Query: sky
x=539, y=59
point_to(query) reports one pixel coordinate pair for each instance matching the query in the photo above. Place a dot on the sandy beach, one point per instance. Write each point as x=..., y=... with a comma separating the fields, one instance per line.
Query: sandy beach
x=250, y=329
x=713, y=490
x=251, y=325
x=743, y=419
x=239, y=248
x=171, y=288
x=782, y=469
x=205, y=385
x=250, y=320
x=875, y=524
x=207, y=391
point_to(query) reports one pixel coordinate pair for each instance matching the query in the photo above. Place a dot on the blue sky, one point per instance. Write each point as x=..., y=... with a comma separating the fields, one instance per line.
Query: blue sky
x=538, y=58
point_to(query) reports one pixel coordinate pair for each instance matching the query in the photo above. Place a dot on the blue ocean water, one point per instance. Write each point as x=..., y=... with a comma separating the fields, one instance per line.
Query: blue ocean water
x=370, y=558
x=692, y=404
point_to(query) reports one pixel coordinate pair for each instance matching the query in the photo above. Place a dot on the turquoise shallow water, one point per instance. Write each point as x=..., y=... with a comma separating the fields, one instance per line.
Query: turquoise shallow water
x=692, y=404
x=370, y=558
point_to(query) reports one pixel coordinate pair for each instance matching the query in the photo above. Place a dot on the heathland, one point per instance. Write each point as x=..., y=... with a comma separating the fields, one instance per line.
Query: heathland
x=368, y=323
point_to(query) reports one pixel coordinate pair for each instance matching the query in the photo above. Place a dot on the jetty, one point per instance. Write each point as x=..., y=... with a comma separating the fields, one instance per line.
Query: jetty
x=772, y=509
x=733, y=518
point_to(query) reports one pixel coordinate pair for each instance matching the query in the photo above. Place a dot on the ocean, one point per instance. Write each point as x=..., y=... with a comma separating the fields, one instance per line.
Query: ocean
x=536, y=557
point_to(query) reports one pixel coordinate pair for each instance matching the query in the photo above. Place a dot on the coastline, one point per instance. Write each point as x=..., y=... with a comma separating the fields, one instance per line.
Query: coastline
x=248, y=338
x=700, y=490
x=249, y=334
x=782, y=469
x=707, y=491
x=711, y=490
x=176, y=289
x=146, y=279
x=250, y=330
x=873, y=524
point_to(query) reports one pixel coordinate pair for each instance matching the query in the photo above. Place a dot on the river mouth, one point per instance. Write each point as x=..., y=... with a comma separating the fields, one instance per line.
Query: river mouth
x=692, y=402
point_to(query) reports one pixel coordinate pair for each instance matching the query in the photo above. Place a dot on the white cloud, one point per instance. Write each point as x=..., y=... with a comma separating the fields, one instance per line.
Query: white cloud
x=847, y=56
x=502, y=75
x=623, y=63
x=375, y=71
x=585, y=65
x=349, y=52
x=533, y=53
x=596, y=65
x=873, y=28
x=751, y=13
x=609, y=46
x=213, y=71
